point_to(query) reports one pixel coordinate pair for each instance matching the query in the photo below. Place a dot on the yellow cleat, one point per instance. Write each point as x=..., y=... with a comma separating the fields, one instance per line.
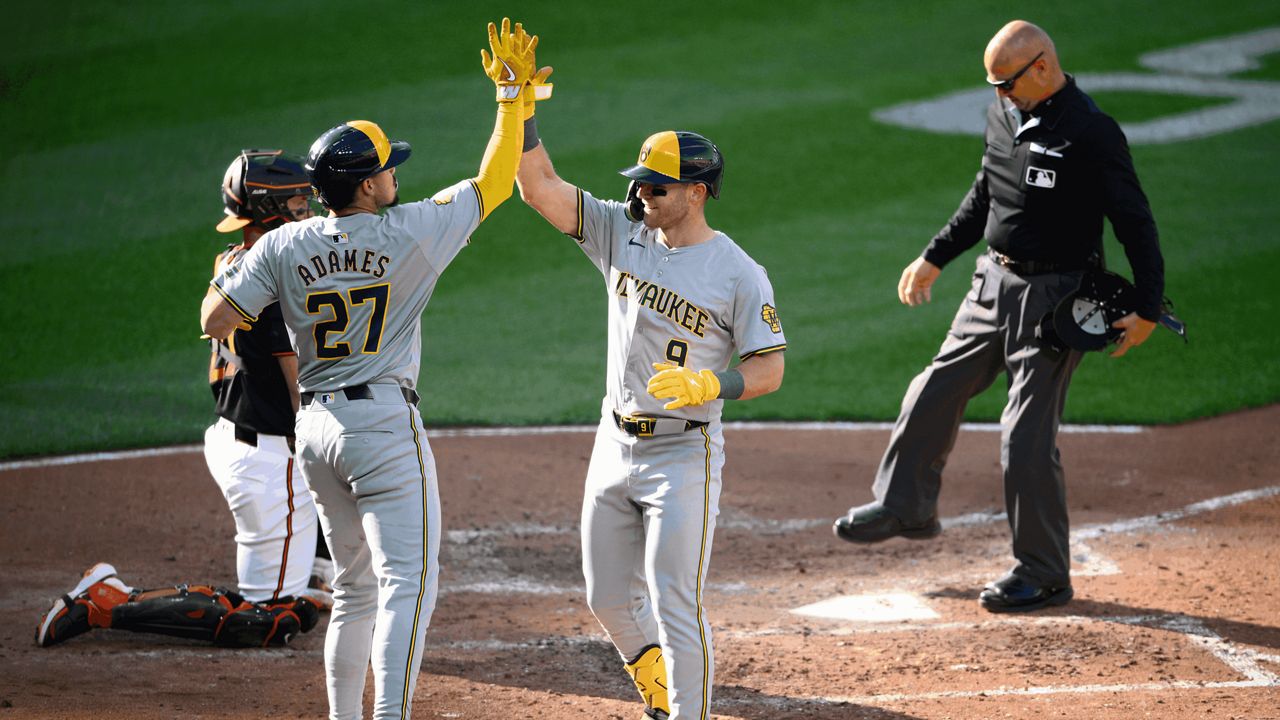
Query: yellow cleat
x=649, y=672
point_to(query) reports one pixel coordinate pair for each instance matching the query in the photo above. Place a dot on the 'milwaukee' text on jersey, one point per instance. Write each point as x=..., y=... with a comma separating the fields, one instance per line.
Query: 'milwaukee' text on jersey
x=664, y=302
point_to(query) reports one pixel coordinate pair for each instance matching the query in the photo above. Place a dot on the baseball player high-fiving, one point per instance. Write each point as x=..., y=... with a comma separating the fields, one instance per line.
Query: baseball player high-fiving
x=352, y=287
x=683, y=300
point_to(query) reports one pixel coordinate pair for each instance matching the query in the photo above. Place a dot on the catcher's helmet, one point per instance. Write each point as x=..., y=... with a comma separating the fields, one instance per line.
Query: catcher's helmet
x=257, y=186
x=678, y=156
x=347, y=154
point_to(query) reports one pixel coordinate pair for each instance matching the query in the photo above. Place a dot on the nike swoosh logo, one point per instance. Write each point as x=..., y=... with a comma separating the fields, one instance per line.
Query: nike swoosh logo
x=1051, y=152
x=511, y=74
x=633, y=242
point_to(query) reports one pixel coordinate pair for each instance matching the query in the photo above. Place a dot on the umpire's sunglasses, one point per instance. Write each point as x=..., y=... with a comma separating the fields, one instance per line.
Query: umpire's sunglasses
x=1008, y=83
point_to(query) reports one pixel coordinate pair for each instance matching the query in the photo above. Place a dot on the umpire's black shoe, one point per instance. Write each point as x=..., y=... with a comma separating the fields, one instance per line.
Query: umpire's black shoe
x=873, y=523
x=1012, y=593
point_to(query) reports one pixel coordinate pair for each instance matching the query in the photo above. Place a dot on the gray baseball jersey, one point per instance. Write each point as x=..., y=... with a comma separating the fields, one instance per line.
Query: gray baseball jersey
x=352, y=290
x=693, y=306
x=650, y=503
x=356, y=284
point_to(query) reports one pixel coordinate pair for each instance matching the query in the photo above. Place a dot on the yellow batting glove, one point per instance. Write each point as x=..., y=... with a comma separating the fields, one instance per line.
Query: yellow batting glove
x=537, y=89
x=513, y=62
x=683, y=385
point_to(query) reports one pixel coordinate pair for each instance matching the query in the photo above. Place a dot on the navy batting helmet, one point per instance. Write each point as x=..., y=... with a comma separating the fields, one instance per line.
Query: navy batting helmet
x=347, y=154
x=257, y=186
x=678, y=156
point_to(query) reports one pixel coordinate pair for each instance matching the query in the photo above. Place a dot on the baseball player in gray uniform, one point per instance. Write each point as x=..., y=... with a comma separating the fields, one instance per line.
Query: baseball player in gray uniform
x=684, y=299
x=352, y=287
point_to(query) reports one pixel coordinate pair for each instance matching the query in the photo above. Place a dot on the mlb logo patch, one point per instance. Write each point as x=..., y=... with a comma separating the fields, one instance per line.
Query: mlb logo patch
x=325, y=398
x=1041, y=178
x=341, y=239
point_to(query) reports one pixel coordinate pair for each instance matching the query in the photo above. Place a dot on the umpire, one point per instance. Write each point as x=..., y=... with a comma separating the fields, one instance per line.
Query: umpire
x=1053, y=166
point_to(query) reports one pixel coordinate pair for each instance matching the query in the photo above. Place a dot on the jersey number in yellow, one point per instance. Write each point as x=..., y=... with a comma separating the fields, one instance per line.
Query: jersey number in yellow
x=341, y=317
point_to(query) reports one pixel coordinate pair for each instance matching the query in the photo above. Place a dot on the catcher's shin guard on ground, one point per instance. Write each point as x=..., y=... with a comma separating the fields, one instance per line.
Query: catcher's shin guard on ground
x=218, y=615
x=649, y=672
x=87, y=606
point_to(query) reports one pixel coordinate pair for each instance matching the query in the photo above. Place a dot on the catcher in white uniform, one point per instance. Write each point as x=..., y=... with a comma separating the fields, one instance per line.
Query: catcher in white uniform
x=684, y=299
x=352, y=287
x=253, y=375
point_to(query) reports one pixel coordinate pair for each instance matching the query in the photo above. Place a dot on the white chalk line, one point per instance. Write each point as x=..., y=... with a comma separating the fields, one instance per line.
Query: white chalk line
x=742, y=521
x=99, y=457
x=534, y=430
x=1149, y=521
x=1090, y=562
x=1029, y=691
x=1243, y=661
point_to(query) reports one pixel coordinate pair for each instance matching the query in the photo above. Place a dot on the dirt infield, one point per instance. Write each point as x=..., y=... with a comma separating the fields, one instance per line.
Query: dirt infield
x=1176, y=546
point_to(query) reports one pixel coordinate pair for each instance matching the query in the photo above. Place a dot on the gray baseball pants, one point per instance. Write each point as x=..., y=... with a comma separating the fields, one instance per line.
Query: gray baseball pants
x=994, y=331
x=648, y=518
x=373, y=476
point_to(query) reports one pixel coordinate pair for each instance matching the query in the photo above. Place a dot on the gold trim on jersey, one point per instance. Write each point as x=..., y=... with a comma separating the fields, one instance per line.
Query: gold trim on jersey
x=234, y=305
x=702, y=555
x=764, y=351
x=411, y=672
x=578, y=234
x=479, y=198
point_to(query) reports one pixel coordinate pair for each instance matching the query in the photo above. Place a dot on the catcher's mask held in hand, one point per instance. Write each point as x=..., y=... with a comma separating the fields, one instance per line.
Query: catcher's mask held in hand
x=1083, y=320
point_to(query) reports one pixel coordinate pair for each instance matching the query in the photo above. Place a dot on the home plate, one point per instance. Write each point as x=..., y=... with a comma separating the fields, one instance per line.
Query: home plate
x=887, y=607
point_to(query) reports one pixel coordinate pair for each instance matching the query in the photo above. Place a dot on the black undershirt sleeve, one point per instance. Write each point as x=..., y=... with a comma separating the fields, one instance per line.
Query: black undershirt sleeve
x=965, y=228
x=1126, y=206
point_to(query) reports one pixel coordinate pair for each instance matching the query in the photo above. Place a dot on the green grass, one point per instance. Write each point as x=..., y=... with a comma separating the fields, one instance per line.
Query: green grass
x=120, y=121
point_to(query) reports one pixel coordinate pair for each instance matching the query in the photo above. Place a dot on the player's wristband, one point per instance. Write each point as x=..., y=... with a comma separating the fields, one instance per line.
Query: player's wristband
x=531, y=140
x=731, y=384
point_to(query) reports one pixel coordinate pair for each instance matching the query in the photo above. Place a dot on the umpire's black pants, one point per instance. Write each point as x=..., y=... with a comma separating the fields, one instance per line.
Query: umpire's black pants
x=994, y=331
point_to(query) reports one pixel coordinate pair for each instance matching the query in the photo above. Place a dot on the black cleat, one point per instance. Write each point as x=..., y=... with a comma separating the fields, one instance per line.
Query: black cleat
x=1012, y=593
x=873, y=523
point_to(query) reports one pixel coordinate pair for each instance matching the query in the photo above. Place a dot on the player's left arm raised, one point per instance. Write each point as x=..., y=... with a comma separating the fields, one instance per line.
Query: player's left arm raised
x=511, y=66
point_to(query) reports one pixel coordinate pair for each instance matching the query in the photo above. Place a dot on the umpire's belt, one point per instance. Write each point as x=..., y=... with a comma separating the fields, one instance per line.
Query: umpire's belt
x=1029, y=267
x=356, y=392
x=650, y=426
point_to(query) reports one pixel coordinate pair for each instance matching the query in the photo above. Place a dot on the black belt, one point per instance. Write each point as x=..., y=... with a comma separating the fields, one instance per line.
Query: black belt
x=361, y=392
x=249, y=436
x=650, y=426
x=1029, y=267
